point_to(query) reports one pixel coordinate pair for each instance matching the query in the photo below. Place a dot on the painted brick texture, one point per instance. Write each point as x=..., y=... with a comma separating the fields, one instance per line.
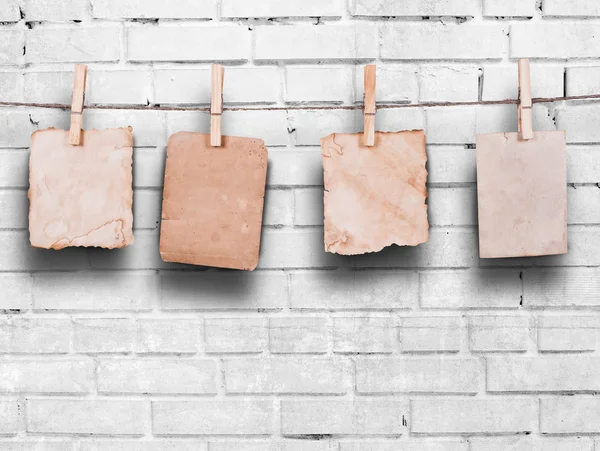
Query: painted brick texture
x=426, y=348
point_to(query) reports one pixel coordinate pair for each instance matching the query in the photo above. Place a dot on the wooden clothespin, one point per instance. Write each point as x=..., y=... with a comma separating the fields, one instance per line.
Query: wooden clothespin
x=370, y=108
x=216, y=104
x=77, y=104
x=525, y=112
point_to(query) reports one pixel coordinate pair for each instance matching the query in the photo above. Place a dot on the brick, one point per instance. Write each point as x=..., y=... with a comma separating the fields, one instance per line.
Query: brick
x=18, y=255
x=509, y=8
x=53, y=45
x=35, y=336
x=570, y=415
x=364, y=335
x=146, y=213
x=431, y=41
x=500, y=82
x=472, y=416
x=554, y=40
x=395, y=83
x=12, y=45
x=46, y=376
x=271, y=445
x=170, y=43
x=361, y=290
x=51, y=87
x=136, y=9
x=10, y=11
x=224, y=290
x=299, y=335
x=55, y=10
x=103, y=335
x=543, y=374
x=17, y=129
x=143, y=256
x=131, y=87
x=192, y=86
x=568, y=333
x=564, y=8
x=143, y=445
x=452, y=206
x=583, y=80
x=463, y=120
x=413, y=445
x=235, y=123
x=499, y=333
x=414, y=8
x=149, y=168
x=16, y=291
x=295, y=249
x=475, y=288
x=9, y=416
x=293, y=8
x=530, y=444
x=452, y=248
x=449, y=83
x=94, y=291
x=583, y=249
x=20, y=125
x=167, y=336
x=450, y=164
x=69, y=416
x=16, y=206
x=295, y=168
x=279, y=208
x=148, y=129
x=581, y=123
x=308, y=206
x=334, y=42
x=240, y=335
x=359, y=417
x=11, y=86
x=583, y=205
x=311, y=126
x=253, y=417
x=430, y=334
x=417, y=375
x=291, y=375
x=317, y=84
x=160, y=376
x=43, y=444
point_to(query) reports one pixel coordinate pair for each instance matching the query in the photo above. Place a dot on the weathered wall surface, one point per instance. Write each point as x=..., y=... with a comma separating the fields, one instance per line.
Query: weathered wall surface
x=426, y=348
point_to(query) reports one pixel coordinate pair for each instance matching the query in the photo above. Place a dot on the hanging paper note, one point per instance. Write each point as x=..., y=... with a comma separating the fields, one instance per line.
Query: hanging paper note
x=374, y=196
x=81, y=195
x=522, y=194
x=213, y=201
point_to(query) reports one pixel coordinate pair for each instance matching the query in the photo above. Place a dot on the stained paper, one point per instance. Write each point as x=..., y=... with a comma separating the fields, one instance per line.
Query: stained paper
x=374, y=196
x=81, y=195
x=522, y=195
x=213, y=201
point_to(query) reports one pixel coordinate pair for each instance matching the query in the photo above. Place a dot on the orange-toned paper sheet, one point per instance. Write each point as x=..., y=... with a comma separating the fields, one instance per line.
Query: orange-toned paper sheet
x=81, y=195
x=522, y=194
x=213, y=201
x=374, y=196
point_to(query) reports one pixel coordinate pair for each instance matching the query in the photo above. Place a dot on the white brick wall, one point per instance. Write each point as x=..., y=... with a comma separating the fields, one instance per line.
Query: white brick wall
x=425, y=348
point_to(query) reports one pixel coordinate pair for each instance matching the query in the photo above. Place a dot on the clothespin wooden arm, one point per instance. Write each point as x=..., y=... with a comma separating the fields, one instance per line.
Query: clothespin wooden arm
x=370, y=108
x=77, y=104
x=216, y=104
x=525, y=111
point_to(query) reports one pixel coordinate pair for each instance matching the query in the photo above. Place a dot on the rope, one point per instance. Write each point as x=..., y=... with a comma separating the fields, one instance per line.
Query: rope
x=61, y=106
